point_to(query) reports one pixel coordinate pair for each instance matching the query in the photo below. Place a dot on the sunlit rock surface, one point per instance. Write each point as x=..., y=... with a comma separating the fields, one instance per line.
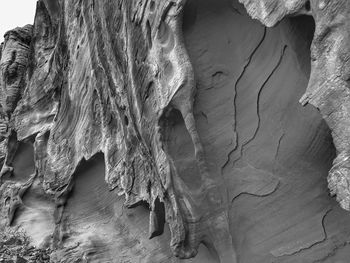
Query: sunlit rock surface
x=168, y=131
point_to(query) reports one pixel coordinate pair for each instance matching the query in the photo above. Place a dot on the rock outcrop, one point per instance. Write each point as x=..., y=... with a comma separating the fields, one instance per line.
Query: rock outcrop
x=136, y=131
x=328, y=88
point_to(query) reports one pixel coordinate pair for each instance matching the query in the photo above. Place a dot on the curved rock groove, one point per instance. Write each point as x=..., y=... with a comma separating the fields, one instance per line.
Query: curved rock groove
x=154, y=131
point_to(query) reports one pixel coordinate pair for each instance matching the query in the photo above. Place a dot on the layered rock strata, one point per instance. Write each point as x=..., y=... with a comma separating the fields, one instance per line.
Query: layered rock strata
x=189, y=111
x=328, y=88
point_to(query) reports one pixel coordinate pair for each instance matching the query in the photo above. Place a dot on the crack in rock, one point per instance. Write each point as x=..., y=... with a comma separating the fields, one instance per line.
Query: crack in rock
x=302, y=245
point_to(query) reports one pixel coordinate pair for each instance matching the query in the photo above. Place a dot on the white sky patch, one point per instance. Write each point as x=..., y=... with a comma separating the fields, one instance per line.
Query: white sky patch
x=15, y=13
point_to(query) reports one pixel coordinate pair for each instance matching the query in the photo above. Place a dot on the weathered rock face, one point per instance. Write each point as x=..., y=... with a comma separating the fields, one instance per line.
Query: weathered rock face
x=187, y=112
x=13, y=66
x=328, y=88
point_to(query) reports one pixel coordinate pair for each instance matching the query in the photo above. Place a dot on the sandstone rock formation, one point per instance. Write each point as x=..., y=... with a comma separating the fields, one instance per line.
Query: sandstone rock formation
x=328, y=87
x=139, y=131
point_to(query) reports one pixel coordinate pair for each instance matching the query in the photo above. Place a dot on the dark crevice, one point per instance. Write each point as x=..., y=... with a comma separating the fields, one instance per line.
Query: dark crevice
x=315, y=243
x=256, y=195
x=245, y=66
x=258, y=100
x=307, y=6
x=149, y=34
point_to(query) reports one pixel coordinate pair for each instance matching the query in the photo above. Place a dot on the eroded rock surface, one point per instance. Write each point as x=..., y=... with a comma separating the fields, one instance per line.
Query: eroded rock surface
x=329, y=79
x=187, y=112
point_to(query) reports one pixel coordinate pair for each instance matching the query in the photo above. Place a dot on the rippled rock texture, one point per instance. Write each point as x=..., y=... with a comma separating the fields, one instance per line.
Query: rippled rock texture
x=167, y=131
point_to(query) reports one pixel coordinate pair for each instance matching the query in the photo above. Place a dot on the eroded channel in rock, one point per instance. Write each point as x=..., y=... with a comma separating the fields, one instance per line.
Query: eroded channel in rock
x=121, y=154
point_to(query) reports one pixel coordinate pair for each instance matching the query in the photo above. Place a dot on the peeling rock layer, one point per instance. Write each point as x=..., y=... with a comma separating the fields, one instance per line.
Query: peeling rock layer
x=171, y=108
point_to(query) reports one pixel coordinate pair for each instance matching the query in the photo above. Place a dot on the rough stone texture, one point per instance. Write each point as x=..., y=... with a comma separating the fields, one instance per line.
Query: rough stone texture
x=187, y=112
x=13, y=66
